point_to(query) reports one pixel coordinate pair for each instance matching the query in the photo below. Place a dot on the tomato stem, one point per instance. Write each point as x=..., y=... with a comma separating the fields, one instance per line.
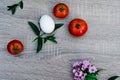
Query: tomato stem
x=77, y=26
x=61, y=8
x=15, y=48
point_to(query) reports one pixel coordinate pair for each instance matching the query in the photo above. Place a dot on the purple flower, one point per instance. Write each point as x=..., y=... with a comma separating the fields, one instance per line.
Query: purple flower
x=92, y=69
x=82, y=77
x=78, y=74
x=86, y=64
x=76, y=70
x=77, y=78
x=77, y=64
x=80, y=69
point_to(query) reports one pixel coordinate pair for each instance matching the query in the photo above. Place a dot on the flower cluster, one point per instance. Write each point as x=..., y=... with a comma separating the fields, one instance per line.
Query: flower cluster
x=82, y=70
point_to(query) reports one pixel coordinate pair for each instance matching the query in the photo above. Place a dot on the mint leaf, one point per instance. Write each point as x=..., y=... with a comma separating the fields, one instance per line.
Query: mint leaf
x=45, y=39
x=12, y=8
x=97, y=72
x=39, y=44
x=34, y=28
x=21, y=4
x=113, y=77
x=50, y=38
x=35, y=39
x=58, y=26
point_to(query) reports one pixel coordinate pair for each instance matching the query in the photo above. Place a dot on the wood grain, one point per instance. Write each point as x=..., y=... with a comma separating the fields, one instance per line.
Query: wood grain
x=101, y=44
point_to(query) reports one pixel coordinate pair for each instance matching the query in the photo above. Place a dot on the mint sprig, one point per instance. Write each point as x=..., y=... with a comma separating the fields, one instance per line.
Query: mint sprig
x=42, y=37
x=13, y=7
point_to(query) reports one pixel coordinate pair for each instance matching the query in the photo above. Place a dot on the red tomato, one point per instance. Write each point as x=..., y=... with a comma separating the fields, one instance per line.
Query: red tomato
x=78, y=27
x=61, y=10
x=15, y=47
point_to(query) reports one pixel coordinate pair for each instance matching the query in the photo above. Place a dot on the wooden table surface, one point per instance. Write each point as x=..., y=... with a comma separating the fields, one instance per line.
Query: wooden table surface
x=101, y=44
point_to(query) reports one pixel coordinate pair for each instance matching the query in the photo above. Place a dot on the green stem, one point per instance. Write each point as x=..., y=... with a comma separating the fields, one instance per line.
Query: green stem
x=15, y=48
x=42, y=34
x=61, y=8
x=77, y=26
x=35, y=39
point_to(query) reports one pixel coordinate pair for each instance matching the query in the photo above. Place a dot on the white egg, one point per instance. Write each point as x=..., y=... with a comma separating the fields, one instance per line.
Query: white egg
x=47, y=24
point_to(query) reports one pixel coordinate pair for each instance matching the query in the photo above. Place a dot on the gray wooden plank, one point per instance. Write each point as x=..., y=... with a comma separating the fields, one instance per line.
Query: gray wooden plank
x=101, y=43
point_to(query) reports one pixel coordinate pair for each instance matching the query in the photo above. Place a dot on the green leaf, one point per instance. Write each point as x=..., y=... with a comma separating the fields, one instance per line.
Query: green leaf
x=34, y=28
x=39, y=44
x=45, y=39
x=21, y=4
x=97, y=72
x=91, y=77
x=58, y=26
x=35, y=39
x=50, y=38
x=113, y=77
x=12, y=8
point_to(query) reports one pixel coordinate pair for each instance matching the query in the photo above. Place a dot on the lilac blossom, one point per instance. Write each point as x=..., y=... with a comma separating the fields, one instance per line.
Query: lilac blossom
x=80, y=69
x=86, y=64
x=77, y=64
x=92, y=69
